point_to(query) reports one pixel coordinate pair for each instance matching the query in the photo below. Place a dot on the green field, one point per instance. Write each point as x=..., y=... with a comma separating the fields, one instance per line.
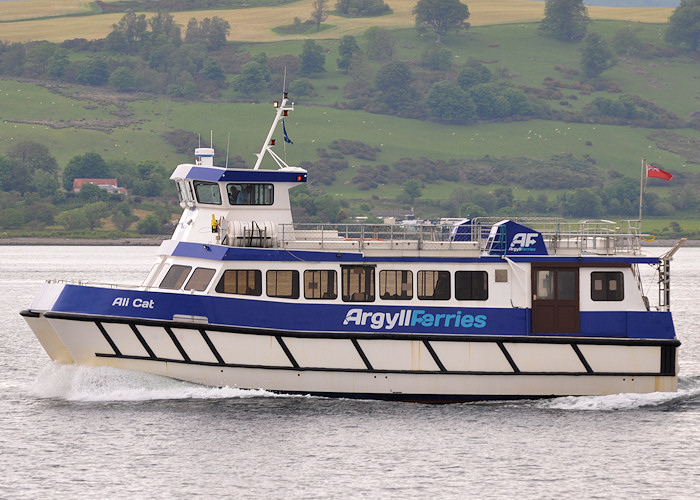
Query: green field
x=71, y=121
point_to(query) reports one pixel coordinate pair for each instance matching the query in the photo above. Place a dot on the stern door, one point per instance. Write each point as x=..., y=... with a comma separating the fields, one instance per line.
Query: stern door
x=555, y=300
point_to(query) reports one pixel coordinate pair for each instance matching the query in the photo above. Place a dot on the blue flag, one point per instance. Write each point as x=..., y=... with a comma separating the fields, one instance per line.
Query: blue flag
x=286, y=137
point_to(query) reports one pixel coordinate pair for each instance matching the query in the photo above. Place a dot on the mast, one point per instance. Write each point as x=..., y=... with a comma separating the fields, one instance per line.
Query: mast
x=282, y=109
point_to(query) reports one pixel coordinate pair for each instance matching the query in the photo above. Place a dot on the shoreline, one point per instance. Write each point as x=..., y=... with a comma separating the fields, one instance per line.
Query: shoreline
x=38, y=241
x=157, y=240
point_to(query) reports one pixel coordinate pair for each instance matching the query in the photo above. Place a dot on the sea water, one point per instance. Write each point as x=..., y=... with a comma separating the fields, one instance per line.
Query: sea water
x=81, y=432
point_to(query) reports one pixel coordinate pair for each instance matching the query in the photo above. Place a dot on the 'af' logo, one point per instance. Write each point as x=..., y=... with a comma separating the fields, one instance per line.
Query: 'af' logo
x=523, y=241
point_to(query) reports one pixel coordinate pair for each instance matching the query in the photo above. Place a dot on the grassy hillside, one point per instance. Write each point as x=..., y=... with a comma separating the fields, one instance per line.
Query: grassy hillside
x=71, y=120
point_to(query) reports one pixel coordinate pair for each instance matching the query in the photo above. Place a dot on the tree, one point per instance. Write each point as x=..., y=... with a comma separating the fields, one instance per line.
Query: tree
x=347, y=48
x=447, y=102
x=380, y=44
x=437, y=58
x=362, y=8
x=89, y=165
x=123, y=79
x=596, y=56
x=474, y=74
x=148, y=225
x=251, y=79
x=319, y=12
x=441, y=15
x=34, y=155
x=565, y=20
x=411, y=190
x=393, y=81
x=94, y=72
x=684, y=25
x=212, y=70
x=127, y=33
x=312, y=59
x=211, y=33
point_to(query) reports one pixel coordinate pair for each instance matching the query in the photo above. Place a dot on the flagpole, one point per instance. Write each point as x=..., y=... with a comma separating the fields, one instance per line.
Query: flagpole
x=641, y=187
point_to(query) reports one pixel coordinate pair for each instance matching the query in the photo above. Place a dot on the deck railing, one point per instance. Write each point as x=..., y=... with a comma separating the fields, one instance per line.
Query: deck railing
x=587, y=236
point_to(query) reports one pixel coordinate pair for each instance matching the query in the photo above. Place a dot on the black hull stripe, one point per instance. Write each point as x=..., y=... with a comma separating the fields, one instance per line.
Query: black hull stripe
x=173, y=337
x=362, y=354
x=108, y=339
x=434, y=355
x=287, y=351
x=508, y=357
x=142, y=340
x=582, y=358
x=211, y=346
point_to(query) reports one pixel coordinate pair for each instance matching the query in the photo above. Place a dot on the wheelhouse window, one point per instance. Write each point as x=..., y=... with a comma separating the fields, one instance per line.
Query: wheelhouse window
x=434, y=285
x=607, y=286
x=320, y=284
x=200, y=279
x=207, y=192
x=471, y=285
x=284, y=284
x=250, y=194
x=240, y=282
x=175, y=277
x=358, y=283
x=396, y=285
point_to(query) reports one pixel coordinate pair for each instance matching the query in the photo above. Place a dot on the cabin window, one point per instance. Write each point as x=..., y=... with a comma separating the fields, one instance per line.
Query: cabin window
x=240, y=282
x=207, y=192
x=396, y=285
x=283, y=284
x=320, y=284
x=175, y=277
x=182, y=191
x=471, y=285
x=358, y=283
x=250, y=194
x=434, y=285
x=200, y=279
x=607, y=286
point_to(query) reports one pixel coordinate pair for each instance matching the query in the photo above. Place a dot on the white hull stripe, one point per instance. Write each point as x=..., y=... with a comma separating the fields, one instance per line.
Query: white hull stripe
x=667, y=350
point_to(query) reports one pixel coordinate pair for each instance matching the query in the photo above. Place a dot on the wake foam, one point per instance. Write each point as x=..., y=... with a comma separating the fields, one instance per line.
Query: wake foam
x=83, y=383
x=688, y=388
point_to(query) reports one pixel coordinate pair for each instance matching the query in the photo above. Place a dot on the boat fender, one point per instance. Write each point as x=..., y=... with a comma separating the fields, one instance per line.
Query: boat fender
x=214, y=224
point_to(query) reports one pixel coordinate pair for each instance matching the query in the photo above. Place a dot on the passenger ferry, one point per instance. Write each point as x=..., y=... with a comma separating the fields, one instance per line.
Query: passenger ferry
x=242, y=296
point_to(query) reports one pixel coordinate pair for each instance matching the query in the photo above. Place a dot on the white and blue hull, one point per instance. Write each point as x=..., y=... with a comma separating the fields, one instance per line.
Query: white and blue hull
x=382, y=365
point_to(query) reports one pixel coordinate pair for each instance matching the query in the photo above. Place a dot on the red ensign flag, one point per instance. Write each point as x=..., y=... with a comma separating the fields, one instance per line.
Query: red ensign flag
x=653, y=171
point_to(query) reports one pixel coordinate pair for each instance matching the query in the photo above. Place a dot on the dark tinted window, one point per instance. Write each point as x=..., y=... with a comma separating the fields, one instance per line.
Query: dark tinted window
x=471, y=285
x=434, y=285
x=358, y=283
x=607, y=286
x=175, y=277
x=396, y=285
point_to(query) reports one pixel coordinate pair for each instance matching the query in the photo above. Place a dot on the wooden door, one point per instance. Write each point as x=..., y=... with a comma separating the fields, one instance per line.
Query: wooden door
x=555, y=299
